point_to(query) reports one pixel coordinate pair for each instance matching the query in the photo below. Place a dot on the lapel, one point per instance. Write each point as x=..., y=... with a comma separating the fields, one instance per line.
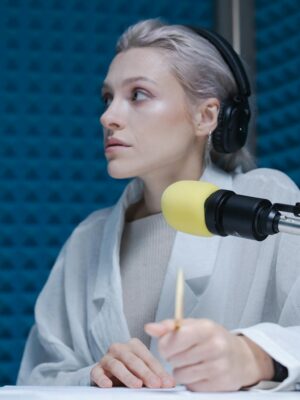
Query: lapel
x=196, y=256
x=108, y=323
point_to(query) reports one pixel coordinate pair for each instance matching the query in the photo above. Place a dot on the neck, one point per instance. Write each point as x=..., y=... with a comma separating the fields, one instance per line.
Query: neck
x=154, y=186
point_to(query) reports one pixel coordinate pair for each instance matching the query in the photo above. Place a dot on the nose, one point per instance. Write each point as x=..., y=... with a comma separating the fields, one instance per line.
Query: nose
x=111, y=118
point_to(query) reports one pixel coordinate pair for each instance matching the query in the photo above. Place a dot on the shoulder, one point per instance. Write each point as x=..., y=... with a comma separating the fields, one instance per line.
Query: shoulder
x=267, y=183
x=94, y=219
x=266, y=176
x=91, y=227
x=89, y=233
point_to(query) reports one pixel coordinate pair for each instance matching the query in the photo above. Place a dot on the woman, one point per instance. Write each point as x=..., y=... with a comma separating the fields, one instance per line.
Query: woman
x=117, y=271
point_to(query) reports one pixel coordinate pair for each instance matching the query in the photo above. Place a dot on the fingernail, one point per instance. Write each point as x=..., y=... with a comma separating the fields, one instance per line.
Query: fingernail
x=105, y=383
x=155, y=382
x=168, y=382
x=137, y=383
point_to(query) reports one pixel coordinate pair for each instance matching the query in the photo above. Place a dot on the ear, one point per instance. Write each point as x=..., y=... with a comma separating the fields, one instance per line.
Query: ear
x=206, y=117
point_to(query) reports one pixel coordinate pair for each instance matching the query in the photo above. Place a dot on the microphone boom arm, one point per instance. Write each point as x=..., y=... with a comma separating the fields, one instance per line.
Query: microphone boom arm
x=227, y=213
x=289, y=225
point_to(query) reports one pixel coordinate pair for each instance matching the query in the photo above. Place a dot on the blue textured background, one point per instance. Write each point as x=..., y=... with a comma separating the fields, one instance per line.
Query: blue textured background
x=278, y=85
x=53, y=58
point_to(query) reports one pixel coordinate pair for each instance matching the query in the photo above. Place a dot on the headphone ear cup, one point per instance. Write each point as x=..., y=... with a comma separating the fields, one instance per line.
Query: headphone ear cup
x=231, y=132
x=218, y=134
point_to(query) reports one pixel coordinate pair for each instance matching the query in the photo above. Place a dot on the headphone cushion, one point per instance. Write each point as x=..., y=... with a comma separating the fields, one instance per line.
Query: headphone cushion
x=218, y=135
x=231, y=132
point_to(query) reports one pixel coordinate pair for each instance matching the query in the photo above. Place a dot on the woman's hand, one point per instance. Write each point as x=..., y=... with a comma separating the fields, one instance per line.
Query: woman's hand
x=130, y=364
x=207, y=357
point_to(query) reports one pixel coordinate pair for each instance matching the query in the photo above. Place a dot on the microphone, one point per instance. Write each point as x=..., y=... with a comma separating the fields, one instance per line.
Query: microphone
x=202, y=209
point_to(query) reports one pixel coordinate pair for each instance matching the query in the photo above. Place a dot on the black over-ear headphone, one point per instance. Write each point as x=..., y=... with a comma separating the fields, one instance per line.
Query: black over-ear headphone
x=234, y=115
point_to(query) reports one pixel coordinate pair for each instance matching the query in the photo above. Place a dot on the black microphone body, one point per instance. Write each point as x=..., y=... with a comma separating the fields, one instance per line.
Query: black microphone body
x=227, y=213
x=202, y=209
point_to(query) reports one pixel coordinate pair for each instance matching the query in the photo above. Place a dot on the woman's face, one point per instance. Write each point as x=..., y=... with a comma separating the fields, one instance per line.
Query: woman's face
x=147, y=129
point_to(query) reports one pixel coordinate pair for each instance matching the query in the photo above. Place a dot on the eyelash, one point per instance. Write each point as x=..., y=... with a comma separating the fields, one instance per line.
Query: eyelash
x=106, y=97
x=139, y=90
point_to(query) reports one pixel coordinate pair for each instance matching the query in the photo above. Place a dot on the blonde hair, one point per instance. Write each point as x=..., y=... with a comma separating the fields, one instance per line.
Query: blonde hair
x=199, y=68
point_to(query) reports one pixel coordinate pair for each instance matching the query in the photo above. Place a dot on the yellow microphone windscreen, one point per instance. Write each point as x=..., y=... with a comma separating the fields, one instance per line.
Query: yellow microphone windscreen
x=183, y=206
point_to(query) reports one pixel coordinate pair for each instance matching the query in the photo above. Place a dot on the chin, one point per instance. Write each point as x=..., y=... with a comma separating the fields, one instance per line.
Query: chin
x=117, y=173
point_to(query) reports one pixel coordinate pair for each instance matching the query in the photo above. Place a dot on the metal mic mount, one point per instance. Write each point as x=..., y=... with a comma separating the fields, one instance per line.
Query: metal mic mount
x=288, y=224
x=227, y=213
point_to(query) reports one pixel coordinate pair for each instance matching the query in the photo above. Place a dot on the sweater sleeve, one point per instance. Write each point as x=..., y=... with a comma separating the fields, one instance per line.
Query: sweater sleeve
x=51, y=356
x=281, y=338
x=59, y=371
x=282, y=344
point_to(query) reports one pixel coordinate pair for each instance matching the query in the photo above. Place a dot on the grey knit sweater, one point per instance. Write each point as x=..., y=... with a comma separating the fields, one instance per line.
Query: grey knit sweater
x=145, y=250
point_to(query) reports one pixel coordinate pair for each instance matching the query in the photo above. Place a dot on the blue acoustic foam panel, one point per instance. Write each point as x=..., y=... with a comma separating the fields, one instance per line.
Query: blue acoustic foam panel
x=278, y=85
x=54, y=56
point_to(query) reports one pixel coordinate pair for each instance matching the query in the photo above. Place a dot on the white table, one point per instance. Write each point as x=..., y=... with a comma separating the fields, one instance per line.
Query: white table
x=93, y=393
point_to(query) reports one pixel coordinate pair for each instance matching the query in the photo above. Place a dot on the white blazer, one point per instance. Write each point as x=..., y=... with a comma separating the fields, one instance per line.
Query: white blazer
x=247, y=286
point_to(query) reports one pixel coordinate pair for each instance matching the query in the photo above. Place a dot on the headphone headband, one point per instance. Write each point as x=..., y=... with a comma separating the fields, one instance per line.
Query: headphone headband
x=234, y=114
x=230, y=56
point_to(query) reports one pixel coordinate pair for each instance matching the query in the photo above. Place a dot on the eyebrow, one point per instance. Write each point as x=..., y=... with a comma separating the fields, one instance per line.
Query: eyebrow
x=127, y=81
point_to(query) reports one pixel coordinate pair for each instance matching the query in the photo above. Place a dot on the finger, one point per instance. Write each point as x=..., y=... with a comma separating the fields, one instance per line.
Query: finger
x=163, y=327
x=98, y=377
x=203, y=386
x=214, y=385
x=158, y=329
x=205, y=371
x=142, y=352
x=202, y=352
x=120, y=371
x=191, y=333
x=141, y=370
x=132, y=355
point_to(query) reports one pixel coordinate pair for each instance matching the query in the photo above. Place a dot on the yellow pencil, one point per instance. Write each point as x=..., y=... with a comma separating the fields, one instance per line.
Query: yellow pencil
x=179, y=299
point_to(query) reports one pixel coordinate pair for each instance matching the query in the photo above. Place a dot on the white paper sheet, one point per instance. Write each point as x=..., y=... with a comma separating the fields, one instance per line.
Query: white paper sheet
x=93, y=393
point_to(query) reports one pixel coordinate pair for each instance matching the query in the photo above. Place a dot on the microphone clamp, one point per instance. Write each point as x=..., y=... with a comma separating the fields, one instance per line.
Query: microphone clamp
x=227, y=213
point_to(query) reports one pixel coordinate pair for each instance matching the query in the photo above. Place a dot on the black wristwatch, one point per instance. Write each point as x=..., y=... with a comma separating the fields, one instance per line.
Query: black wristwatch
x=280, y=372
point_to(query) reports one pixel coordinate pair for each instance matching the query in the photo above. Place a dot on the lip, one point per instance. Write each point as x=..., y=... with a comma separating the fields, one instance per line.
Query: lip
x=113, y=142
